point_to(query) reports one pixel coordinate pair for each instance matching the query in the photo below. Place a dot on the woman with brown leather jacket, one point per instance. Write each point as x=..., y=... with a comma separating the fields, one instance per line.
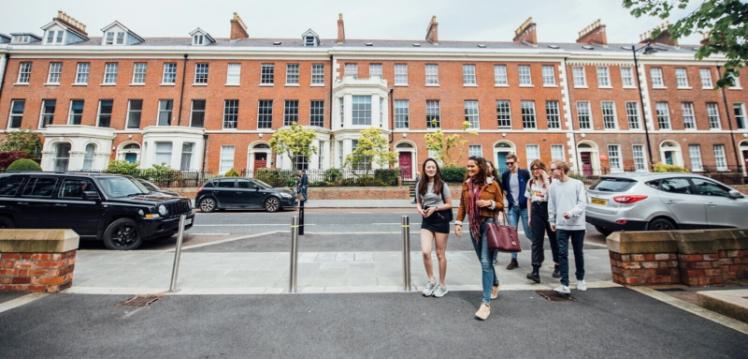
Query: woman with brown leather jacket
x=481, y=200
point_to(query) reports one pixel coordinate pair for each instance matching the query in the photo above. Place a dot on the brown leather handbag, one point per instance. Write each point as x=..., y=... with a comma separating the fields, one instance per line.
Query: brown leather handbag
x=503, y=237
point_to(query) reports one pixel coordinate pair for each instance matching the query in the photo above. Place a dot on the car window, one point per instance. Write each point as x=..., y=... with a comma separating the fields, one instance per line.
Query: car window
x=226, y=184
x=708, y=188
x=208, y=184
x=9, y=185
x=43, y=187
x=612, y=184
x=120, y=187
x=261, y=184
x=76, y=188
x=676, y=185
x=149, y=186
x=654, y=184
x=245, y=184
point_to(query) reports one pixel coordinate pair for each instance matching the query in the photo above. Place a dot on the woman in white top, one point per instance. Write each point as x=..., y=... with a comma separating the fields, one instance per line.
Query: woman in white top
x=434, y=204
x=537, y=207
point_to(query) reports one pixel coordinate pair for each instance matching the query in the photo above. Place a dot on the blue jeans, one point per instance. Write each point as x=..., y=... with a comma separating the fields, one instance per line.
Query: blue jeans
x=514, y=214
x=577, y=242
x=486, y=257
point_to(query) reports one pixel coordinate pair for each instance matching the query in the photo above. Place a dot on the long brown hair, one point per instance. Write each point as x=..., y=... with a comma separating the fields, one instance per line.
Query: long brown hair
x=539, y=164
x=480, y=177
x=424, y=182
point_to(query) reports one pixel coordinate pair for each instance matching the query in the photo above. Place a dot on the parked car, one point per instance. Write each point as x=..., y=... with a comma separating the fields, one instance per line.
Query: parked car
x=151, y=187
x=663, y=201
x=242, y=193
x=111, y=208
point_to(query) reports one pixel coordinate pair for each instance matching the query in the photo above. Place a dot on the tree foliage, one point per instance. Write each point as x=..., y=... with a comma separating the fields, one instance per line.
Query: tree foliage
x=26, y=141
x=293, y=141
x=724, y=22
x=443, y=145
x=24, y=165
x=372, y=146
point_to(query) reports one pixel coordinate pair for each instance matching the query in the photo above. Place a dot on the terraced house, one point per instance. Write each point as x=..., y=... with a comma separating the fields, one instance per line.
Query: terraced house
x=204, y=103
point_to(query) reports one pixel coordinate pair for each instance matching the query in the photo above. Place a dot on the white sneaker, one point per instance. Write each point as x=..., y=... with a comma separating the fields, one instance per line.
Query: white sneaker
x=581, y=285
x=428, y=289
x=563, y=290
x=440, y=291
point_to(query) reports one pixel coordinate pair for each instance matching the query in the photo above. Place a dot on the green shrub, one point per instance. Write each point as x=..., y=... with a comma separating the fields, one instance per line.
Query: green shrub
x=453, y=173
x=162, y=175
x=368, y=181
x=275, y=177
x=663, y=167
x=232, y=173
x=123, y=167
x=24, y=165
x=388, y=177
x=333, y=175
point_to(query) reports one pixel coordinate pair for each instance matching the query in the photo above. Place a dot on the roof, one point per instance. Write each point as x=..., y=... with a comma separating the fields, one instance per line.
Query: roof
x=27, y=34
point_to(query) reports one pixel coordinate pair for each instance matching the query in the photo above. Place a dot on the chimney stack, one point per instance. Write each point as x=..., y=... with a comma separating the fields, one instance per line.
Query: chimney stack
x=593, y=33
x=663, y=37
x=341, y=29
x=432, y=32
x=238, y=28
x=526, y=33
x=71, y=22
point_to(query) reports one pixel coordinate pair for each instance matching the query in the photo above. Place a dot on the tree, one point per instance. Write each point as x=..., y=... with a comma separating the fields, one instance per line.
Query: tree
x=372, y=146
x=725, y=22
x=25, y=141
x=443, y=145
x=293, y=141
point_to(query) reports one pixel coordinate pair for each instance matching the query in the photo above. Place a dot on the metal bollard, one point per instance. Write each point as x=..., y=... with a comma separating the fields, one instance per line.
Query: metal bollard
x=293, y=270
x=177, y=255
x=405, y=223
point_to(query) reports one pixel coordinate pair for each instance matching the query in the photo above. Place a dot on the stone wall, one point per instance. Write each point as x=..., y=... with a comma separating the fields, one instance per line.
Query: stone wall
x=690, y=257
x=36, y=260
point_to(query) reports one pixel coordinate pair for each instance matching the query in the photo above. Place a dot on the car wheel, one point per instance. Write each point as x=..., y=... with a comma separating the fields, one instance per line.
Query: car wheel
x=604, y=231
x=661, y=224
x=6, y=222
x=122, y=234
x=207, y=204
x=272, y=204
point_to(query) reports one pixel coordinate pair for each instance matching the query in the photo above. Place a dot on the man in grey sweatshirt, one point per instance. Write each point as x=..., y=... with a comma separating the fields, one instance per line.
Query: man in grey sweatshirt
x=566, y=204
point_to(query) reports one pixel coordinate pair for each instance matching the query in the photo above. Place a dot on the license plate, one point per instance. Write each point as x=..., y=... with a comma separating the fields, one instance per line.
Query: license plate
x=599, y=201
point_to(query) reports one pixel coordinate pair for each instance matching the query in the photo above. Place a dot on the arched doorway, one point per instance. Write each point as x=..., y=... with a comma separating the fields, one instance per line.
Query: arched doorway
x=130, y=152
x=259, y=157
x=62, y=156
x=406, y=160
x=88, y=158
x=670, y=153
x=744, y=155
x=589, y=158
x=501, y=150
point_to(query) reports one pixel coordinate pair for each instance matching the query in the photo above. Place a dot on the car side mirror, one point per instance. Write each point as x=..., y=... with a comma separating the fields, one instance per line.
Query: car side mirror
x=735, y=194
x=91, y=195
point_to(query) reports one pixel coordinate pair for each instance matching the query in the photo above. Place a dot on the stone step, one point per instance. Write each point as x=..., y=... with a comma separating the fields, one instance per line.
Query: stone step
x=732, y=303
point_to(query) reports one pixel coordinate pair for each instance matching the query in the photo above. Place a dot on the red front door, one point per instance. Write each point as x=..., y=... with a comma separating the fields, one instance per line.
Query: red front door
x=745, y=160
x=406, y=165
x=586, y=163
x=261, y=160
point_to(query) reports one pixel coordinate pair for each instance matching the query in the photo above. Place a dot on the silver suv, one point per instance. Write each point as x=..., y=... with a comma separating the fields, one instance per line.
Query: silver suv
x=662, y=201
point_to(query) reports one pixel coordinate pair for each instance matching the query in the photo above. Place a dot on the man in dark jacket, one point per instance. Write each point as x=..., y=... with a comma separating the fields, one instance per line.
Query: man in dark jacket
x=302, y=187
x=514, y=180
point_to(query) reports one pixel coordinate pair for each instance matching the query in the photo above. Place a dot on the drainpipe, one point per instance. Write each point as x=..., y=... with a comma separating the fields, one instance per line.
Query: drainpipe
x=391, y=101
x=181, y=91
x=644, y=112
x=4, y=64
x=205, y=150
x=577, y=159
x=729, y=121
x=332, y=136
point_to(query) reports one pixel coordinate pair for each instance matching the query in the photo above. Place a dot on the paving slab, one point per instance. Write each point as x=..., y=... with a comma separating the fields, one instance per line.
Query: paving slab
x=732, y=303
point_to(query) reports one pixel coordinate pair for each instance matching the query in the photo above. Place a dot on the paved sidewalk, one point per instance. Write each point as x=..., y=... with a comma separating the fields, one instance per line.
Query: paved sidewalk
x=318, y=272
x=365, y=203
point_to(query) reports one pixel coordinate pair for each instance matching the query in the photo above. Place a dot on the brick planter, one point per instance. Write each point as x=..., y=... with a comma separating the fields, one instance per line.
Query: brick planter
x=695, y=258
x=33, y=260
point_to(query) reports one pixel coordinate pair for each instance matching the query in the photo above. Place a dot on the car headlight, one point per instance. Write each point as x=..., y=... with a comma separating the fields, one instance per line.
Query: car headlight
x=162, y=210
x=286, y=195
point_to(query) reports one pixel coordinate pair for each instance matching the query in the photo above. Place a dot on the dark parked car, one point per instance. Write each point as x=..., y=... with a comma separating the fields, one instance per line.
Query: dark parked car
x=151, y=187
x=108, y=207
x=242, y=193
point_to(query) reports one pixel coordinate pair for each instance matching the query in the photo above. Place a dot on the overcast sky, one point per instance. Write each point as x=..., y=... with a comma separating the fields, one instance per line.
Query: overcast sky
x=486, y=20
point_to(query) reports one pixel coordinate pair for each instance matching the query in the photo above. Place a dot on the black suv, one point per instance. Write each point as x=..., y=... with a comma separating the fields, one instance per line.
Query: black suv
x=112, y=208
x=242, y=193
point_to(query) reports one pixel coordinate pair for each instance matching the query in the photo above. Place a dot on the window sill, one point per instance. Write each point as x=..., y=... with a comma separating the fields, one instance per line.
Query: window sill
x=708, y=88
x=320, y=85
x=267, y=85
x=580, y=87
x=401, y=85
x=715, y=129
x=685, y=88
x=500, y=85
x=168, y=84
x=527, y=85
x=232, y=85
x=50, y=84
x=659, y=88
x=735, y=88
x=21, y=84
x=291, y=85
x=199, y=85
x=108, y=85
x=80, y=84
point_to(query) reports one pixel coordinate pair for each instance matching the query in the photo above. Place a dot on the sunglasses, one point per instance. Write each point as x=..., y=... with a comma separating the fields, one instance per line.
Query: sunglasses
x=510, y=163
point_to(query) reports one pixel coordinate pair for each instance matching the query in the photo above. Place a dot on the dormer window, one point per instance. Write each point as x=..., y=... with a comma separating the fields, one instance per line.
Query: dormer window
x=198, y=39
x=309, y=41
x=310, y=38
x=54, y=37
x=117, y=34
x=21, y=39
x=115, y=38
x=201, y=38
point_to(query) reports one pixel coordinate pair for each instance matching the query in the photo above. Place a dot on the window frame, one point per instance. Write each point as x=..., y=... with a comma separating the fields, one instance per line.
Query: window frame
x=525, y=79
x=431, y=76
x=688, y=112
x=13, y=115
x=609, y=115
x=80, y=74
x=130, y=112
x=469, y=77
x=472, y=115
x=165, y=108
x=169, y=76
x=194, y=111
x=402, y=114
x=24, y=73
x=318, y=74
x=603, y=78
x=433, y=114
x=72, y=115
x=629, y=106
x=589, y=120
x=47, y=118
x=553, y=114
x=663, y=118
x=267, y=74
x=202, y=70
x=293, y=74
x=399, y=74
x=233, y=79
x=230, y=114
x=139, y=72
x=504, y=114
x=627, y=81
x=99, y=113
x=500, y=75
x=111, y=72
x=264, y=114
x=529, y=115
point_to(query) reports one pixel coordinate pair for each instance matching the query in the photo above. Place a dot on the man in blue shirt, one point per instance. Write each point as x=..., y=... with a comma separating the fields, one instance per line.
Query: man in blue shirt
x=514, y=181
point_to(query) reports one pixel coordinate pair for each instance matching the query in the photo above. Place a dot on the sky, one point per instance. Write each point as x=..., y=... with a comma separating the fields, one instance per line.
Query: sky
x=484, y=20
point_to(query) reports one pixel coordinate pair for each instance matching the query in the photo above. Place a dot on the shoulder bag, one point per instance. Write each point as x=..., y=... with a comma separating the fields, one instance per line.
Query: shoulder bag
x=503, y=237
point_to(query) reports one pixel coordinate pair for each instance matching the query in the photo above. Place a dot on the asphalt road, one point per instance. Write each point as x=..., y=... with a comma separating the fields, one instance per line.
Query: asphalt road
x=601, y=323
x=326, y=229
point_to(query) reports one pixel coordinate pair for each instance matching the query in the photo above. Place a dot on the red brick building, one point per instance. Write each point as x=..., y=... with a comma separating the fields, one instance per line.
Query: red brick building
x=203, y=103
